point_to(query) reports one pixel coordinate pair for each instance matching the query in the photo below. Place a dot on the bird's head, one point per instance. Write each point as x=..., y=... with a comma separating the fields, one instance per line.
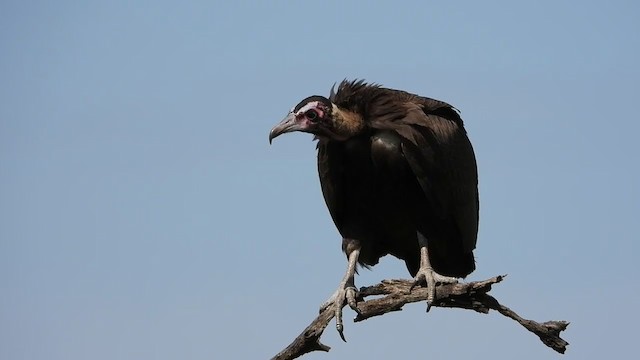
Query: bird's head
x=317, y=115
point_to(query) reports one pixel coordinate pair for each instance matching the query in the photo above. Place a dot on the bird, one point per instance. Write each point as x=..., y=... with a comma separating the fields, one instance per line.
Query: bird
x=399, y=177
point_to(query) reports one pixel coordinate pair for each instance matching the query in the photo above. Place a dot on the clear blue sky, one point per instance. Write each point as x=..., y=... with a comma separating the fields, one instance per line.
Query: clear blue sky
x=143, y=214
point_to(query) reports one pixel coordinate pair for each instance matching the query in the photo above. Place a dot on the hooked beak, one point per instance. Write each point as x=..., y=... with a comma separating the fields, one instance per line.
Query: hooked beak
x=288, y=124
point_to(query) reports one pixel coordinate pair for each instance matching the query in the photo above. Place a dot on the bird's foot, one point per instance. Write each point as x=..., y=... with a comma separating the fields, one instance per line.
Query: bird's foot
x=428, y=276
x=345, y=293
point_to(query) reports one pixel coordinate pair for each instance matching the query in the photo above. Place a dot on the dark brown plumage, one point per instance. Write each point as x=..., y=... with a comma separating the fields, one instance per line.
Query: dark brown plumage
x=398, y=173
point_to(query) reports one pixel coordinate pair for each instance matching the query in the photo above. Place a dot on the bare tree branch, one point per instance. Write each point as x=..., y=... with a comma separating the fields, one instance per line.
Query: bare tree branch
x=395, y=294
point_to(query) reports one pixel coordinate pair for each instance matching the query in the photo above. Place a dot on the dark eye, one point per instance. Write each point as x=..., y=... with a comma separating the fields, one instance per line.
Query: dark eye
x=311, y=115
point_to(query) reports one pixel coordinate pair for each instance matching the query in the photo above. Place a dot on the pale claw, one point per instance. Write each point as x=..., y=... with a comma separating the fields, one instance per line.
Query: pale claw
x=343, y=294
x=431, y=278
x=346, y=292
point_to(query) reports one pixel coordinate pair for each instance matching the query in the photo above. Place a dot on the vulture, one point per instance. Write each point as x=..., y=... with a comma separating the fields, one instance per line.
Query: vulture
x=398, y=175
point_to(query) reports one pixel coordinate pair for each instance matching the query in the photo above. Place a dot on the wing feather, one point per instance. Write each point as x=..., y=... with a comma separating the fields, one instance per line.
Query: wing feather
x=442, y=159
x=331, y=172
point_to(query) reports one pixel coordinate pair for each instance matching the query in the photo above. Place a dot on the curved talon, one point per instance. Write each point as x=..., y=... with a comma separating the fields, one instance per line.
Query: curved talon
x=340, y=328
x=431, y=286
x=430, y=278
x=419, y=279
x=431, y=295
x=347, y=294
x=339, y=325
x=351, y=293
x=427, y=274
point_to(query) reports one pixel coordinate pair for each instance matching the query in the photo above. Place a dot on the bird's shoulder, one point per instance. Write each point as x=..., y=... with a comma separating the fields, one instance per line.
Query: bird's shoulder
x=384, y=108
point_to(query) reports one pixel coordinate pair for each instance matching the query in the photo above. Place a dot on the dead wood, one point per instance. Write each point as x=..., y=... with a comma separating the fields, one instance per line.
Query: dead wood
x=395, y=294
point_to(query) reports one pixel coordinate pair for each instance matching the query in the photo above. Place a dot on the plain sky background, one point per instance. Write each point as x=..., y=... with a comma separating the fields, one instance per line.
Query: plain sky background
x=143, y=214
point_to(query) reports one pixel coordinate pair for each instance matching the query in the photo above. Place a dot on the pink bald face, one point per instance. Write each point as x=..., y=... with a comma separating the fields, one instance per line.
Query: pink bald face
x=312, y=115
x=312, y=111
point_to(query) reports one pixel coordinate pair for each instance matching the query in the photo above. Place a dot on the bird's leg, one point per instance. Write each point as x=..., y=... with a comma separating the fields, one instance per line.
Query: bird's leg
x=427, y=275
x=346, y=291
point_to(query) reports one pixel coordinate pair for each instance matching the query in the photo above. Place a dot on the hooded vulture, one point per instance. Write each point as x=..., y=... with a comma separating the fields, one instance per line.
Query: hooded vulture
x=398, y=174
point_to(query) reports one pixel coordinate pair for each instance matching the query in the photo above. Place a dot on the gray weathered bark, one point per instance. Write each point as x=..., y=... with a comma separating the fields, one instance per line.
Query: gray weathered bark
x=473, y=296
